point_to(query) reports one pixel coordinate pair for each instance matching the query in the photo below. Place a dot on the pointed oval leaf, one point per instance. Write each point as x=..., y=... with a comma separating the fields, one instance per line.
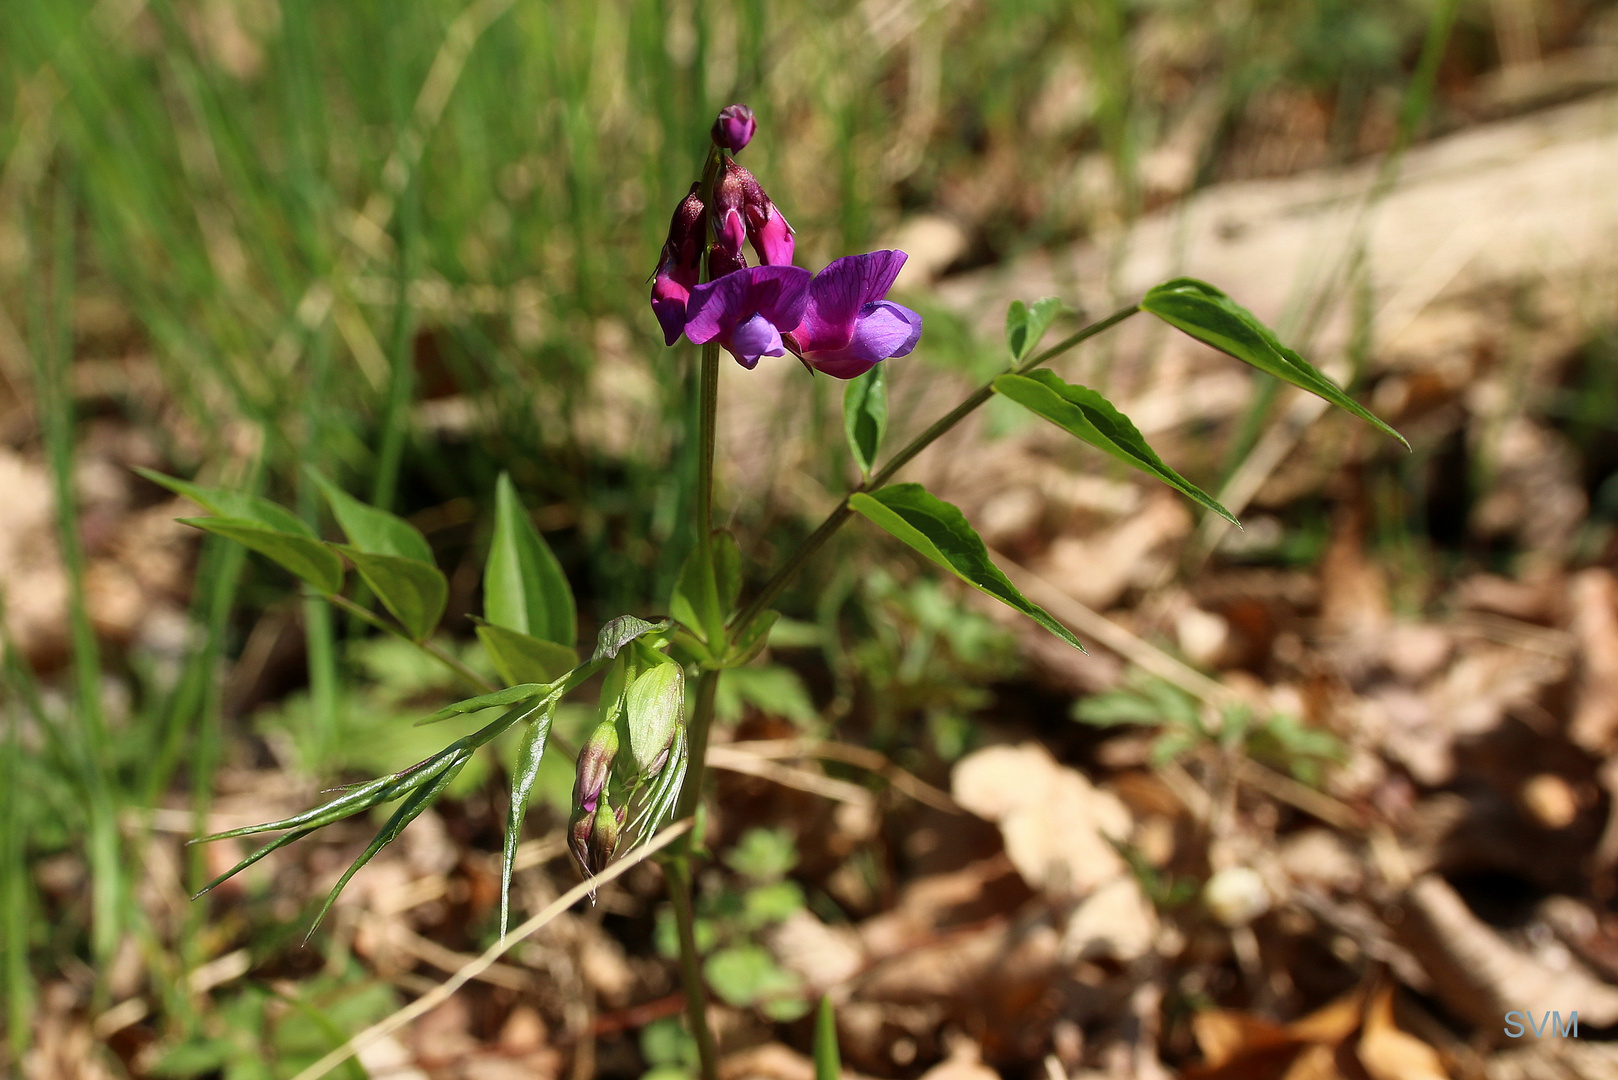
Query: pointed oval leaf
x=1026, y=325
x=529, y=756
x=865, y=416
x=524, y=588
x=414, y=591
x=372, y=530
x=1215, y=319
x=940, y=531
x=1083, y=412
x=655, y=703
x=621, y=631
x=520, y=658
x=304, y=556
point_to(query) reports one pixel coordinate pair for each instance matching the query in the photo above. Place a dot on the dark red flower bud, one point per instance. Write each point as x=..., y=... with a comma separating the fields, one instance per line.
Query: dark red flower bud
x=679, y=267
x=734, y=128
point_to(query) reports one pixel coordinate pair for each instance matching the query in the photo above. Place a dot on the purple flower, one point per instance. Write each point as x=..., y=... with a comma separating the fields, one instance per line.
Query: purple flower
x=848, y=327
x=734, y=128
x=747, y=311
x=679, y=266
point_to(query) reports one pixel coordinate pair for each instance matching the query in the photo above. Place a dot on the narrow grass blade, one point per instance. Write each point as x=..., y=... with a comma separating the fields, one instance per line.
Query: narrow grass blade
x=828, y=1061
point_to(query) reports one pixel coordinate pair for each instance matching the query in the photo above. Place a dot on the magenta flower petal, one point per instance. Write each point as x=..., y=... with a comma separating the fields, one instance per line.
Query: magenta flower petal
x=734, y=128
x=668, y=304
x=881, y=331
x=755, y=338
x=840, y=292
x=772, y=237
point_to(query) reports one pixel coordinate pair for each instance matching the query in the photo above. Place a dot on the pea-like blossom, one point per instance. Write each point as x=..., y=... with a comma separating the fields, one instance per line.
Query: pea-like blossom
x=734, y=128
x=849, y=326
x=748, y=310
x=679, y=266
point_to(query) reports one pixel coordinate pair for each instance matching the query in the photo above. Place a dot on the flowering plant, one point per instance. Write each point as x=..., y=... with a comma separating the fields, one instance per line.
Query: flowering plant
x=642, y=764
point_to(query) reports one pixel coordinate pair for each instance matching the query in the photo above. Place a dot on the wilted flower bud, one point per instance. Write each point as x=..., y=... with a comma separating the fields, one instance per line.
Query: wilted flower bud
x=593, y=836
x=734, y=128
x=679, y=266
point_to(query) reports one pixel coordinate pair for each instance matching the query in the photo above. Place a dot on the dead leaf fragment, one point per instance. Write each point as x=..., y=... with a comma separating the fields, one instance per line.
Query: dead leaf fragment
x=1390, y=1054
x=1055, y=823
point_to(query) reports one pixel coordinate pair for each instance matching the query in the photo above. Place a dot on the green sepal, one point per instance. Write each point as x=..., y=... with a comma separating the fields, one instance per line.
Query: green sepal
x=940, y=531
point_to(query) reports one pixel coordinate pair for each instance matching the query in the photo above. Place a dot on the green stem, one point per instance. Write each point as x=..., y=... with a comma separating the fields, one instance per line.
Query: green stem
x=840, y=513
x=432, y=649
x=678, y=868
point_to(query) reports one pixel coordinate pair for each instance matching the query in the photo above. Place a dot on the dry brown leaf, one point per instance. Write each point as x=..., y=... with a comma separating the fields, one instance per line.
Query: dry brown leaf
x=965, y=1062
x=1098, y=569
x=1594, y=596
x=1390, y=1054
x=1055, y=823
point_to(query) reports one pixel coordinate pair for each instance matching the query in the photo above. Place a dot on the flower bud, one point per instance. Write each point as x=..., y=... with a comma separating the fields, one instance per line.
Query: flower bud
x=738, y=191
x=593, y=836
x=679, y=266
x=595, y=766
x=734, y=128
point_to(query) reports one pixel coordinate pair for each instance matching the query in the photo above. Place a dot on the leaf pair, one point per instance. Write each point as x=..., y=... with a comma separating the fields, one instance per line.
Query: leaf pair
x=391, y=555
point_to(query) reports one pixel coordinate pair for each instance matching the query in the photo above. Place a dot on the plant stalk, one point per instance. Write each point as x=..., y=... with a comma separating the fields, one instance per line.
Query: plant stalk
x=840, y=513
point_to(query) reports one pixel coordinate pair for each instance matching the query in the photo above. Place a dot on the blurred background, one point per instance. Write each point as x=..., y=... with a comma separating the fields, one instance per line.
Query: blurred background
x=1328, y=796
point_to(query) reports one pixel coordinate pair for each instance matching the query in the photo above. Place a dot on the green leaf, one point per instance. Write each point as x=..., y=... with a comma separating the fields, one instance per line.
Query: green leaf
x=744, y=975
x=1081, y=411
x=621, y=631
x=1026, y=325
x=235, y=504
x=1215, y=319
x=752, y=642
x=524, y=588
x=520, y=658
x=414, y=591
x=692, y=604
x=373, y=531
x=764, y=855
x=417, y=801
x=655, y=703
x=304, y=556
x=511, y=695
x=865, y=416
x=940, y=531
x=529, y=756
x=828, y=1061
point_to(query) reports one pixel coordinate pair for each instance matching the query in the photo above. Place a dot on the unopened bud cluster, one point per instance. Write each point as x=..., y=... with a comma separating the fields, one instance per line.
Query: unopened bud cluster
x=640, y=723
x=838, y=322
